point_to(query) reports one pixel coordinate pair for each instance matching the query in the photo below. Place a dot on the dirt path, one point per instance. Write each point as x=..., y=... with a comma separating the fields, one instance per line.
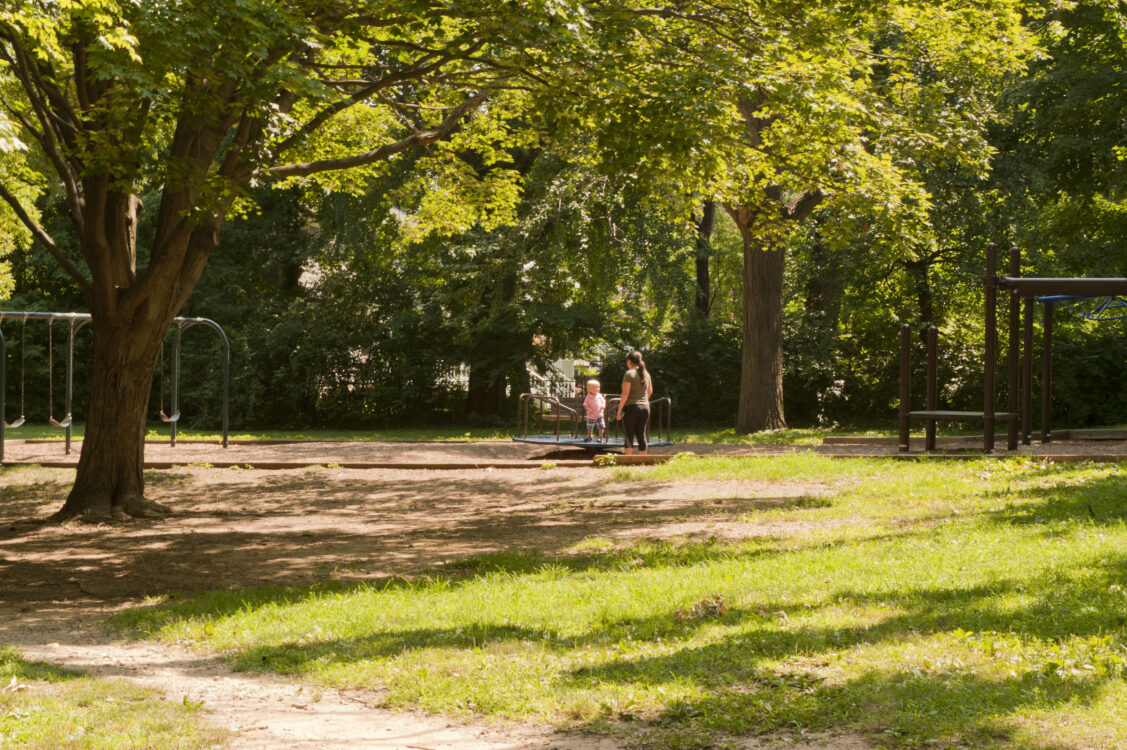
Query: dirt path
x=261, y=711
x=238, y=527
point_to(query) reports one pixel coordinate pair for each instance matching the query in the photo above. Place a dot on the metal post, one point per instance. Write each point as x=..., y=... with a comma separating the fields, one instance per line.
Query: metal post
x=184, y=324
x=69, y=419
x=905, y=385
x=175, y=386
x=226, y=379
x=1047, y=375
x=932, y=394
x=991, y=285
x=1012, y=354
x=1027, y=376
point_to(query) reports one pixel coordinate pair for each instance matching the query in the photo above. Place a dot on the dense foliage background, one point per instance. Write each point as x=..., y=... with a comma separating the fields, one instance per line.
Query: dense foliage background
x=339, y=314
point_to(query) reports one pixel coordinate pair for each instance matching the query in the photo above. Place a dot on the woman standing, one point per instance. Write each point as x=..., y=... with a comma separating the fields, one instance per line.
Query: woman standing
x=634, y=407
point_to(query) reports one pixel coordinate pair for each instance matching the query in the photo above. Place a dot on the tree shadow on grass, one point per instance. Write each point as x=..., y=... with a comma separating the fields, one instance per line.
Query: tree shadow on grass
x=896, y=708
x=1102, y=500
x=907, y=703
x=737, y=670
x=15, y=669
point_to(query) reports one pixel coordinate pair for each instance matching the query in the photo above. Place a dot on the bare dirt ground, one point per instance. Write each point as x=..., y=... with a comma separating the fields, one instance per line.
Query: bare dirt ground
x=243, y=527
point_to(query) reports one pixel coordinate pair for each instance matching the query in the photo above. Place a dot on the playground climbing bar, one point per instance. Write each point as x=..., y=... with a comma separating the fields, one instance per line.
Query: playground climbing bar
x=77, y=322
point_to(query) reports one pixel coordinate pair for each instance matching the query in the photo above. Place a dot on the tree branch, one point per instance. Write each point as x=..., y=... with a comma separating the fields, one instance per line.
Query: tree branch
x=804, y=205
x=424, y=65
x=48, y=137
x=45, y=239
x=274, y=174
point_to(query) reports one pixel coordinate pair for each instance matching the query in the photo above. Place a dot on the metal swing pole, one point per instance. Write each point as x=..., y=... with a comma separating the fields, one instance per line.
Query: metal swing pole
x=69, y=421
x=175, y=396
x=184, y=324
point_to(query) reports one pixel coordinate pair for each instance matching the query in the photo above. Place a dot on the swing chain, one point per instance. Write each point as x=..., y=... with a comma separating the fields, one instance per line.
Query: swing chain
x=23, y=351
x=50, y=370
x=160, y=383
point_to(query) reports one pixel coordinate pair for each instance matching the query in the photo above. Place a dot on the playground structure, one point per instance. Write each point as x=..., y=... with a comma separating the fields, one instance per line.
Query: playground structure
x=569, y=411
x=77, y=321
x=1023, y=292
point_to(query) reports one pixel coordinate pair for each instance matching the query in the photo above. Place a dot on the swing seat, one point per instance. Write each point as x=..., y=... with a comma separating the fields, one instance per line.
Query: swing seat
x=18, y=423
x=165, y=418
x=56, y=423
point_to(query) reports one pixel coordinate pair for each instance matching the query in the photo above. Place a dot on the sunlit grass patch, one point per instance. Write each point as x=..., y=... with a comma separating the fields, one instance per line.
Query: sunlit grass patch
x=728, y=435
x=45, y=707
x=969, y=603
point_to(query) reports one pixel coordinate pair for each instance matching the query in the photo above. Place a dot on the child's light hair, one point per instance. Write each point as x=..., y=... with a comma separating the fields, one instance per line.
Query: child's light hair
x=592, y=382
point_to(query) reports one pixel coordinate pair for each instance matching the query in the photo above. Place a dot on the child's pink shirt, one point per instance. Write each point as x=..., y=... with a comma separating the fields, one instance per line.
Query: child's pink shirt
x=595, y=403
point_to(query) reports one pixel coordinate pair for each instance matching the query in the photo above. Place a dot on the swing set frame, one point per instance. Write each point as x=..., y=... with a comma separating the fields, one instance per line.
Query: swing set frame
x=77, y=322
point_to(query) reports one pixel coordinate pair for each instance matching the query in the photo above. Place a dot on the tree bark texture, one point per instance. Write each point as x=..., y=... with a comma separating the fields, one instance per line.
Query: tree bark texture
x=109, y=481
x=486, y=393
x=761, y=371
x=919, y=271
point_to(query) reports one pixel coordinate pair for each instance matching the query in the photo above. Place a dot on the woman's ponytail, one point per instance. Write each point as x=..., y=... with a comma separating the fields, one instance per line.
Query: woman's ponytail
x=636, y=357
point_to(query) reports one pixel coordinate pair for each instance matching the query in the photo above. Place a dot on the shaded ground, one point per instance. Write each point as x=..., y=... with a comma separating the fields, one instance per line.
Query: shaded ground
x=240, y=527
x=508, y=455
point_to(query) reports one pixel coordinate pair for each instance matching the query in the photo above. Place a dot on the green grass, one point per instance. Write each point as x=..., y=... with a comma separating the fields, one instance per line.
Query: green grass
x=930, y=604
x=46, y=707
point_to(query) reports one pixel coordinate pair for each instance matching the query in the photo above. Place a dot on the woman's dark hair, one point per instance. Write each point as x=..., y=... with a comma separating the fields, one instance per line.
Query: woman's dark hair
x=636, y=357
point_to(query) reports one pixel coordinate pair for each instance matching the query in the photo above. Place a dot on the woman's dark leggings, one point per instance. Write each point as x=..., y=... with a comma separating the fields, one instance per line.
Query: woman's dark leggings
x=635, y=418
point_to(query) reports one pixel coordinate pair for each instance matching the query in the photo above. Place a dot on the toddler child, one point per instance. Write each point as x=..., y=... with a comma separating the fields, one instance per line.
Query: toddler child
x=594, y=405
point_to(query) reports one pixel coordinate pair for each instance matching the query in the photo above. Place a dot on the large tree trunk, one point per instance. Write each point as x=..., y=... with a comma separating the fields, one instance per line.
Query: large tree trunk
x=486, y=396
x=919, y=271
x=761, y=372
x=109, y=482
x=129, y=316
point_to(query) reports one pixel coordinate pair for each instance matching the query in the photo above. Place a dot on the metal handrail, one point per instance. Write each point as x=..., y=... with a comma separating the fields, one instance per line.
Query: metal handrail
x=658, y=406
x=555, y=407
x=661, y=415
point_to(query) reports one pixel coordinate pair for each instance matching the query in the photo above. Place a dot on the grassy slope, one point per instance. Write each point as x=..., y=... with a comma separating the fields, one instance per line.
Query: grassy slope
x=932, y=604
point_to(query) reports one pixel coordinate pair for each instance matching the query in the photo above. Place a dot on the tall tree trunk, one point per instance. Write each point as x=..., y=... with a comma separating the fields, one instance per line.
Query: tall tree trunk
x=486, y=395
x=109, y=482
x=761, y=372
x=129, y=317
x=920, y=272
x=704, y=253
